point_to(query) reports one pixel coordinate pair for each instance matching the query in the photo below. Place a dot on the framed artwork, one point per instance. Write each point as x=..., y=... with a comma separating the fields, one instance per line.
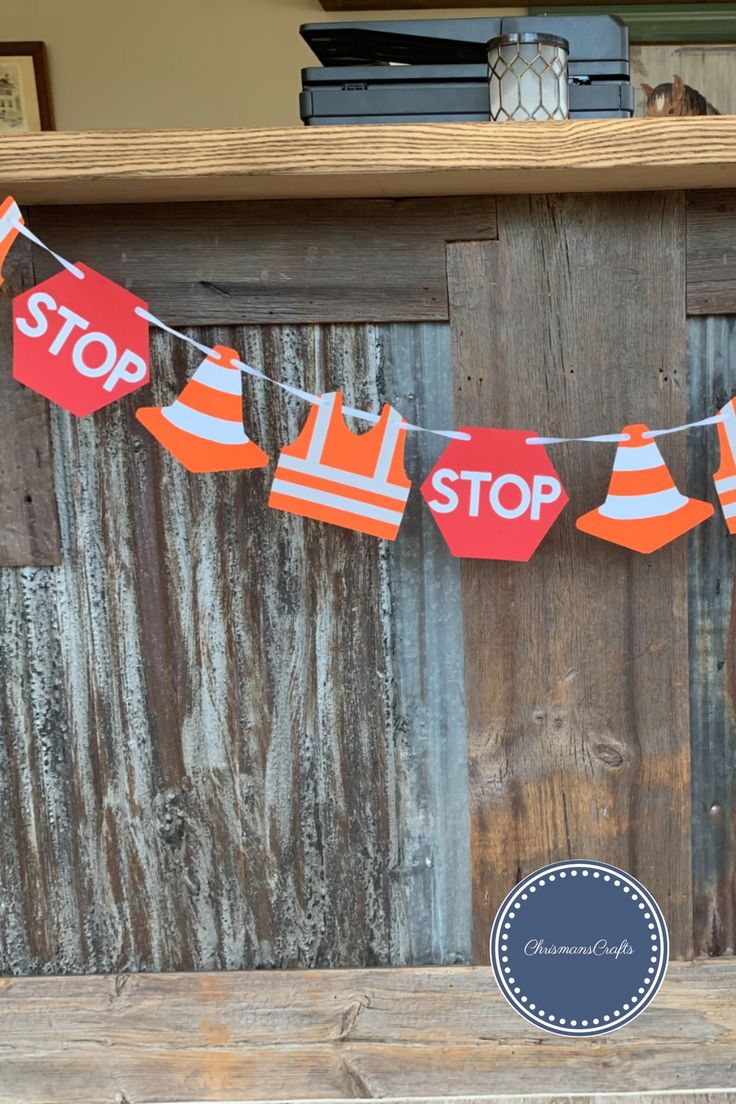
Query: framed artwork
x=25, y=98
x=683, y=56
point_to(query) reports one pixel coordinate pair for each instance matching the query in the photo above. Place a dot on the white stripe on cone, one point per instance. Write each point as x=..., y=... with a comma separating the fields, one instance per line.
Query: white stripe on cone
x=641, y=458
x=639, y=507
x=209, y=428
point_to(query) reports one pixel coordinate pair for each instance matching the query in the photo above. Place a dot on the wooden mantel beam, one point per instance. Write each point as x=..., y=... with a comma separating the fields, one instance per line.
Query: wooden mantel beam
x=438, y=159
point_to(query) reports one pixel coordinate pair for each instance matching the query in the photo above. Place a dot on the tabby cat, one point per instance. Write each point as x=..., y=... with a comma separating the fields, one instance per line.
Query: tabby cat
x=677, y=98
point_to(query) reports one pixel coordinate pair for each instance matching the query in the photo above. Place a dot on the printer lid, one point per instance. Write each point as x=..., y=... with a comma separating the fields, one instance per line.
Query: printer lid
x=458, y=41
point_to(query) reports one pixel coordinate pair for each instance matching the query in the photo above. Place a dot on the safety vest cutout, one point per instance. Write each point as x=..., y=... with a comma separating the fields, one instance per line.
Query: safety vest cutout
x=353, y=480
x=725, y=477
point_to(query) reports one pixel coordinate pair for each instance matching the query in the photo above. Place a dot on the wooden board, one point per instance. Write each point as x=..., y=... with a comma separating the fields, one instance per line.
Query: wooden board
x=343, y=1034
x=29, y=531
x=401, y=5
x=328, y=261
x=218, y=739
x=589, y=155
x=577, y=663
x=696, y=1096
x=711, y=252
x=711, y=382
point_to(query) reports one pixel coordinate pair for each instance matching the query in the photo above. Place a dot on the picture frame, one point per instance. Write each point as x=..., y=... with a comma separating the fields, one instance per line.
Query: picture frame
x=25, y=92
x=683, y=56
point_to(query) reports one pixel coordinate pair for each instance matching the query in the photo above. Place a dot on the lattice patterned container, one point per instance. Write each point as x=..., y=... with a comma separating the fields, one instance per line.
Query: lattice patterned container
x=527, y=75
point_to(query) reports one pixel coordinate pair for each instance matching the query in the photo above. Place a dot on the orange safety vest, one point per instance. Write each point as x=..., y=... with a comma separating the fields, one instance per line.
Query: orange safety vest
x=353, y=480
x=725, y=477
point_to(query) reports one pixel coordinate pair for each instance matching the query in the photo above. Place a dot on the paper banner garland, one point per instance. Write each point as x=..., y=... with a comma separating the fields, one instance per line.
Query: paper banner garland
x=78, y=341
x=10, y=216
x=81, y=341
x=643, y=509
x=356, y=481
x=203, y=427
x=494, y=497
x=725, y=477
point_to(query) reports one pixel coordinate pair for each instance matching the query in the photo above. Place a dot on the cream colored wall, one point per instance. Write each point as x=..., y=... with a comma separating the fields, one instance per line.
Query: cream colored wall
x=122, y=64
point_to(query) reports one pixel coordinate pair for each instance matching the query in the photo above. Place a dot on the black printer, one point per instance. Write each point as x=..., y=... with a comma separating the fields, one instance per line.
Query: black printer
x=436, y=70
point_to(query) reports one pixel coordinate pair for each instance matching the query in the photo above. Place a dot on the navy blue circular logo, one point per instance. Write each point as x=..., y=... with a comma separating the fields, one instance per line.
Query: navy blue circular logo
x=579, y=948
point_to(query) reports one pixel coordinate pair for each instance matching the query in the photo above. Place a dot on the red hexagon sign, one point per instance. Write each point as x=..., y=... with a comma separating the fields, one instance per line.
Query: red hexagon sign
x=494, y=497
x=78, y=341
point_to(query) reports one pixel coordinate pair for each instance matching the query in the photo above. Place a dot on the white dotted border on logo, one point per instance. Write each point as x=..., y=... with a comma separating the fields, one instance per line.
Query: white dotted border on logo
x=615, y=1017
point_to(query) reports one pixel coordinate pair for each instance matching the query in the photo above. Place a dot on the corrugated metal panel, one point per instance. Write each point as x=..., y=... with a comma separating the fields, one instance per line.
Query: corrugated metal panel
x=231, y=737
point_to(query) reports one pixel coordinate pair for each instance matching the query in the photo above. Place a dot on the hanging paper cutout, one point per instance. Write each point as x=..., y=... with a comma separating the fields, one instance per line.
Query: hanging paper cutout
x=203, y=428
x=10, y=216
x=79, y=342
x=725, y=477
x=494, y=497
x=643, y=509
x=356, y=481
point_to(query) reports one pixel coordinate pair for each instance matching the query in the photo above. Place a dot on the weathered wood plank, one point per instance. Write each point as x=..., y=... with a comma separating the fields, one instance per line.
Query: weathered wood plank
x=711, y=252
x=230, y=263
x=441, y=159
x=576, y=664
x=401, y=5
x=216, y=739
x=29, y=530
x=711, y=382
x=697, y=1096
x=336, y=1034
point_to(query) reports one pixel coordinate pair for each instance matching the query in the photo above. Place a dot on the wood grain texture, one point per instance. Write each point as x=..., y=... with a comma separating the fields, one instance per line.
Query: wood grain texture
x=223, y=264
x=217, y=749
x=696, y=1096
x=576, y=663
x=711, y=252
x=343, y=1033
x=712, y=381
x=322, y=162
x=29, y=530
x=411, y=5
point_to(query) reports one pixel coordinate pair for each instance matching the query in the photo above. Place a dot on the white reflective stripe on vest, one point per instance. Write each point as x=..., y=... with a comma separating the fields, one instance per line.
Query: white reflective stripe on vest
x=338, y=475
x=727, y=484
x=226, y=380
x=377, y=483
x=336, y=502
x=641, y=458
x=206, y=426
x=639, y=507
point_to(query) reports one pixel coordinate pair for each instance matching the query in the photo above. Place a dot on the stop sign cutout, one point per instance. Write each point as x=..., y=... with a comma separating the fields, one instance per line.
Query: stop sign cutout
x=494, y=497
x=79, y=342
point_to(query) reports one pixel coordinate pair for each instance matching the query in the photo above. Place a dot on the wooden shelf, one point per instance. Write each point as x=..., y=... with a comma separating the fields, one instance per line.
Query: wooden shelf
x=426, y=5
x=438, y=159
x=411, y=1033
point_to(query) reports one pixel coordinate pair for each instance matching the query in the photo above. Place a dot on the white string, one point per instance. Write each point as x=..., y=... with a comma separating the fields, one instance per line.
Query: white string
x=618, y=437
x=75, y=271
x=690, y=425
x=364, y=415
x=353, y=412
x=307, y=396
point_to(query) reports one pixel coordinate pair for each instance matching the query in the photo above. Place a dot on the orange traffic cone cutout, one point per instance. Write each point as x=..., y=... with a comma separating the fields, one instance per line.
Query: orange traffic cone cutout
x=725, y=477
x=203, y=428
x=10, y=216
x=643, y=509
